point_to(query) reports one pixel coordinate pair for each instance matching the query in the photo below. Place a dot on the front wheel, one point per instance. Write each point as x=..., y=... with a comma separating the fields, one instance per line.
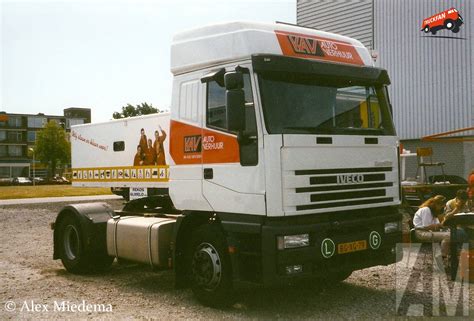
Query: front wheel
x=211, y=273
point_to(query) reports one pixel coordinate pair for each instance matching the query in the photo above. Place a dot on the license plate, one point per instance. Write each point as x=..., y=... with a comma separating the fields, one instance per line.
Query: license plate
x=355, y=246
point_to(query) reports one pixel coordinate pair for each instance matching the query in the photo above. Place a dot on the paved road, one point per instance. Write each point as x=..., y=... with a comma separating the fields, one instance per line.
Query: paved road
x=58, y=199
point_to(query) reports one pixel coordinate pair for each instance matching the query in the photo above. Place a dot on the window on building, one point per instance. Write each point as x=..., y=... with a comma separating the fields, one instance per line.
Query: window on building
x=31, y=136
x=4, y=172
x=3, y=151
x=3, y=135
x=14, y=121
x=36, y=122
x=73, y=121
x=14, y=150
x=15, y=137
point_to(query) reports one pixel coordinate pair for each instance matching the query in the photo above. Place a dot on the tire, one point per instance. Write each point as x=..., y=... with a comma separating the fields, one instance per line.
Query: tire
x=433, y=31
x=449, y=24
x=210, y=269
x=426, y=29
x=455, y=29
x=72, y=252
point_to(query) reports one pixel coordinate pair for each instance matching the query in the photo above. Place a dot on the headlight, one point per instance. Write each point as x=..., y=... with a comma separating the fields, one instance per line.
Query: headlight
x=392, y=227
x=292, y=241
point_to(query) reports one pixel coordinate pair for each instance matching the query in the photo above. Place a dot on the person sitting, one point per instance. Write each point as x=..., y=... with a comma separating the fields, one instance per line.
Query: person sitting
x=427, y=225
x=457, y=205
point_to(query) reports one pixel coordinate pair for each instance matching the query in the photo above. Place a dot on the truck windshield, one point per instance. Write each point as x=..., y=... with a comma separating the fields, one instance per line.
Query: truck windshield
x=302, y=104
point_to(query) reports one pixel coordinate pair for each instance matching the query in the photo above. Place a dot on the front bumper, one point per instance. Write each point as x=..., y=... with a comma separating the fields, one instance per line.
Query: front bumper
x=313, y=262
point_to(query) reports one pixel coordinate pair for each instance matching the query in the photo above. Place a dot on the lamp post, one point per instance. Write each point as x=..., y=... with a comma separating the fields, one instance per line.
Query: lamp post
x=34, y=176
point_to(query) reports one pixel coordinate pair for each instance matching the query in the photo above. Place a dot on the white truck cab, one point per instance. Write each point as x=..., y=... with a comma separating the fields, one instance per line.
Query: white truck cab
x=282, y=163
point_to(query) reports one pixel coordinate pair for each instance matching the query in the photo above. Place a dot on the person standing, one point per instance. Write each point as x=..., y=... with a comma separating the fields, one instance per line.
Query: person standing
x=158, y=147
x=138, y=159
x=470, y=190
x=150, y=155
x=143, y=140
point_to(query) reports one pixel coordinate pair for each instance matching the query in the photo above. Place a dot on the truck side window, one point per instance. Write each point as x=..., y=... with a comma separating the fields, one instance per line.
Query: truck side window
x=216, y=115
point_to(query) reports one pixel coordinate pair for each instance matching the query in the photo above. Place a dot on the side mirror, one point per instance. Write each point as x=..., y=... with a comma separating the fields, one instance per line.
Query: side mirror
x=235, y=100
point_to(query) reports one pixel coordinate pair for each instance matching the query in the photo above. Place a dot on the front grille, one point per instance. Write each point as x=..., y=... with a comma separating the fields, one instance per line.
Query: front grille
x=313, y=189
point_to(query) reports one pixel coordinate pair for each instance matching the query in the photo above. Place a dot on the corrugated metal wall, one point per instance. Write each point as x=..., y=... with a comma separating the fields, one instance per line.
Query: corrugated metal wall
x=432, y=75
x=348, y=18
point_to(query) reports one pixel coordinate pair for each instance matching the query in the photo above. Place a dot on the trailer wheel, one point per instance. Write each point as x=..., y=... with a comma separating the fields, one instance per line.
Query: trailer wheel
x=72, y=251
x=211, y=274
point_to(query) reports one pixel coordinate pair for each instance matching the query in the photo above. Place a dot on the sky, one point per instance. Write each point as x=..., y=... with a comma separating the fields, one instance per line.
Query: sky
x=104, y=54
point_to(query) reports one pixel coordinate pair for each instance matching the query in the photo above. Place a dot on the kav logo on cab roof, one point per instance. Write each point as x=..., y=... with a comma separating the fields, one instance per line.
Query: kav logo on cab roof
x=306, y=46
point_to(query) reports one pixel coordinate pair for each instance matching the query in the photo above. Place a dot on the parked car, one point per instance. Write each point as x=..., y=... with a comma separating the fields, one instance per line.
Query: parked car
x=38, y=180
x=6, y=181
x=22, y=181
x=59, y=180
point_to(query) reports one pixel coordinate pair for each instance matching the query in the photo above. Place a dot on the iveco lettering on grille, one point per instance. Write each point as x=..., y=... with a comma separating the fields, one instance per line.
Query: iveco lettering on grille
x=350, y=179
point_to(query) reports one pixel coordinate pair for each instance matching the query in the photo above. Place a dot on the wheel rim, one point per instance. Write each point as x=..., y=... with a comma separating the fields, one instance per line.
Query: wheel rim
x=71, y=242
x=206, y=267
x=449, y=25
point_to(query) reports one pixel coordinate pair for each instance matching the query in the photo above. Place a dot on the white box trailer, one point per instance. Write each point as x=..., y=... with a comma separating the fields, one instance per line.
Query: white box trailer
x=103, y=154
x=282, y=159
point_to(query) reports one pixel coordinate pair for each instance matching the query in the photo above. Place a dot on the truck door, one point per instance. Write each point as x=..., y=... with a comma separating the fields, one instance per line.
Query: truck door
x=233, y=176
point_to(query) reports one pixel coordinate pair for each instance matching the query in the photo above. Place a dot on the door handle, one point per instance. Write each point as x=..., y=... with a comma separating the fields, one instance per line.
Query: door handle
x=208, y=173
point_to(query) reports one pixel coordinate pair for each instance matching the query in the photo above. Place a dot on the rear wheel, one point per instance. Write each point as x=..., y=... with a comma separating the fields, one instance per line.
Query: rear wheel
x=211, y=273
x=426, y=29
x=72, y=252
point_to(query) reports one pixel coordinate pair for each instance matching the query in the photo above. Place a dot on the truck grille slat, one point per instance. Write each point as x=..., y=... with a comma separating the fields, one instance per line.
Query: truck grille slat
x=342, y=204
x=333, y=179
x=339, y=187
x=343, y=170
x=348, y=195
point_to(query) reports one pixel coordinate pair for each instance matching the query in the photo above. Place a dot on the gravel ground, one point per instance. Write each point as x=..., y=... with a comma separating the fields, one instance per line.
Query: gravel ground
x=28, y=274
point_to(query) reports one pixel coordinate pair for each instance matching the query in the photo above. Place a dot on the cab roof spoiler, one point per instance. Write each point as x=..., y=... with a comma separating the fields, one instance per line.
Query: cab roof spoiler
x=358, y=74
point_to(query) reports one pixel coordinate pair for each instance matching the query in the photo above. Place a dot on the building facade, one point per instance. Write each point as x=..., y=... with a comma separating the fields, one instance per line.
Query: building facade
x=18, y=137
x=431, y=73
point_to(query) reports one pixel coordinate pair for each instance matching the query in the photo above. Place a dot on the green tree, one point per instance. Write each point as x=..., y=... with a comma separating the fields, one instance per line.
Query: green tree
x=130, y=111
x=52, y=147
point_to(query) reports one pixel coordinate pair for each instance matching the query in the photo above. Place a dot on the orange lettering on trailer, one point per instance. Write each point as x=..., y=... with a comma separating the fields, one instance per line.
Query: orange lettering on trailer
x=312, y=47
x=193, y=145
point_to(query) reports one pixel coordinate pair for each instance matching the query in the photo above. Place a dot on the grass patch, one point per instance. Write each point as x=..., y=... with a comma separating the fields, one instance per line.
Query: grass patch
x=11, y=192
